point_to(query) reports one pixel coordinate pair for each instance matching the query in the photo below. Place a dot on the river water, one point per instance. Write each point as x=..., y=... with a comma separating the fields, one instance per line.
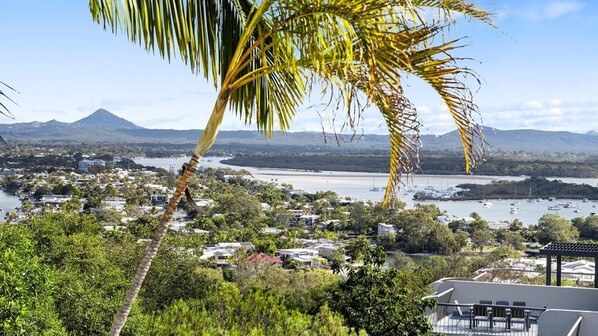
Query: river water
x=8, y=202
x=358, y=185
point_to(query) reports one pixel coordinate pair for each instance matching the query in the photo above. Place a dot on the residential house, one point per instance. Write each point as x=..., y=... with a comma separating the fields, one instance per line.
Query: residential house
x=385, y=229
x=54, y=200
x=262, y=260
x=222, y=252
x=305, y=257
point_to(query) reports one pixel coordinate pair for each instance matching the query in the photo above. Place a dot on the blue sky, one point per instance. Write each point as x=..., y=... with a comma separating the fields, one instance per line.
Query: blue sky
x=538, y=70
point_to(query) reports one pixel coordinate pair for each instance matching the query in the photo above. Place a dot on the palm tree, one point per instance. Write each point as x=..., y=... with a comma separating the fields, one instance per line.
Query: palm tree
x=265, y=56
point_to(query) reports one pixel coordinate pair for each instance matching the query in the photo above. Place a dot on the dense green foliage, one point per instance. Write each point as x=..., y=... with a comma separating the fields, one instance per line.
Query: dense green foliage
x=228, y=312
x=553, y=228
x=431, y=163
x=62, y=274
x=26, y=287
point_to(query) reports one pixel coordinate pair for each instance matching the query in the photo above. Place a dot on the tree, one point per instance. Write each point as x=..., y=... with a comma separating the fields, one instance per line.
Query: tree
x=482, y=238
x=226, y=311
x=384, y=302
x=264, y=55
x=26, y=287
x=553, y=228
x=587, y=227
x=516, y=226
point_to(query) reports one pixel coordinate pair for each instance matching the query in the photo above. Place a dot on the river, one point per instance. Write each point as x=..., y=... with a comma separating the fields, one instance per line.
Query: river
x=8, y=202
x=358, y=185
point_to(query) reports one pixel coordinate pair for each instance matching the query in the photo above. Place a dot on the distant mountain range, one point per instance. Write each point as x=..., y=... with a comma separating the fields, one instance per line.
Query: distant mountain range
x=105, y=127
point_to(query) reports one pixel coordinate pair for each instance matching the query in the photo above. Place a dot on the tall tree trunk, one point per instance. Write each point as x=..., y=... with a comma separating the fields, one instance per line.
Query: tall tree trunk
x=203, y=145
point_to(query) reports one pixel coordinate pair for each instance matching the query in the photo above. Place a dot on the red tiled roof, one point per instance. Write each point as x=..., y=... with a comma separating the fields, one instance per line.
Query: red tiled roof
x=264, y=258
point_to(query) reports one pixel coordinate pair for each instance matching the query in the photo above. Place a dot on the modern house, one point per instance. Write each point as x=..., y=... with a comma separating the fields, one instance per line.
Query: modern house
x=489, y=308
x=384, y=229
x=221, y=252
x=54, y=200
x=476, y=307
x=305, y=257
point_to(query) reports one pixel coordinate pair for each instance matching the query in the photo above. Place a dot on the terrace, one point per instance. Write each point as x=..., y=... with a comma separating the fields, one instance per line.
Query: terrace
x=485, y=308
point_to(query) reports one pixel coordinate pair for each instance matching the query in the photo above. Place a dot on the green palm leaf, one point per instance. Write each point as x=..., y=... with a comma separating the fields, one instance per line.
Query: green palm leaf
x=265, y=56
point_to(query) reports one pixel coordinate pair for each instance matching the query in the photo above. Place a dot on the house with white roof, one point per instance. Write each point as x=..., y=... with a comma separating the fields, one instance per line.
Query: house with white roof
x=384, y=229
x=305, y=257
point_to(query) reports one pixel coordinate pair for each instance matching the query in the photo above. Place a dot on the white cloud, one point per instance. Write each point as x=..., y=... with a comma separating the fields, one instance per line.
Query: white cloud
x=548, y=10
x=556, y=9
x=533, y=105
x=550, y=115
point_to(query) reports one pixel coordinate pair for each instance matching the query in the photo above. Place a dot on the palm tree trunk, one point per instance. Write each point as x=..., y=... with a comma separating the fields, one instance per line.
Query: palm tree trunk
x=203, y=145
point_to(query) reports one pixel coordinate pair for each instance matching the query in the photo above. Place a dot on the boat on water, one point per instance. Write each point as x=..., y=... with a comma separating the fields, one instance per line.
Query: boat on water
x=374, y=188
x=570, y=205
x=578, y=210
x=554, y=207
x=585, y=200
x=487, y=204
x=515, y=203
x=514, y=211
x=551, y=199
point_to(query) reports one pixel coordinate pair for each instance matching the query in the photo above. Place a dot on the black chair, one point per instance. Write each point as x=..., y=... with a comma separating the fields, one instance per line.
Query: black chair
x=482, y=312
x=520, y=314
x=502, y=314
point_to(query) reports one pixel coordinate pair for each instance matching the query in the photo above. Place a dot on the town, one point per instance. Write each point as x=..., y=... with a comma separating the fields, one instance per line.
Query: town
x=245, y=228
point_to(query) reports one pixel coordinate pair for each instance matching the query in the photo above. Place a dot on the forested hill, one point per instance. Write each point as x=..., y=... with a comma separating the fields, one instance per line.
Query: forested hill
x=104, y=127
x=535, y=187
x=430, y=164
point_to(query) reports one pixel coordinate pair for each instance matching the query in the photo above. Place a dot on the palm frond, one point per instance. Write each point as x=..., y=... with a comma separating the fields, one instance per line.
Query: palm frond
x=441, y=71
x=446, y=9
x=3, y=108
x=266, y=54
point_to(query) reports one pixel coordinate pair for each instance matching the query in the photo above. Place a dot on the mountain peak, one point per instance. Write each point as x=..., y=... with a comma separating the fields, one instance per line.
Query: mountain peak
x=106, y=119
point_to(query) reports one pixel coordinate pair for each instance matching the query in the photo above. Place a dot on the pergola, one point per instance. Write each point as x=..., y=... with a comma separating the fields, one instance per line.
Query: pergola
x=570, y=250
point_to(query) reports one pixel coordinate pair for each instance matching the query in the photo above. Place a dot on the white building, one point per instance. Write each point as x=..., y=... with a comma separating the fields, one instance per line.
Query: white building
x=305, y=257
x=384, y=228
x=221, y=252
x=85, y=164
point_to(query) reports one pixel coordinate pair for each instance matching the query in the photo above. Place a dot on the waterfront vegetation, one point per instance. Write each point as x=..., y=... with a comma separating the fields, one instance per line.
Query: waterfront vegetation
x=437, y=163
x=531, y=188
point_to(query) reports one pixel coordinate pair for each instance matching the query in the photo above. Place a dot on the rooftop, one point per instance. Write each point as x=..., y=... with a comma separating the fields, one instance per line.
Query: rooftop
x=487, y=308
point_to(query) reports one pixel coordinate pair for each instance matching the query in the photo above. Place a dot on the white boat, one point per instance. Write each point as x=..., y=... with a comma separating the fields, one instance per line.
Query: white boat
x=487, y=204
x=529, y=196
x=515, y=203
x=514, y=211
x=374, y=188
x=554, y=207
x=578, y=210
x=585, y=200
x=551, y=199
x=570, y=205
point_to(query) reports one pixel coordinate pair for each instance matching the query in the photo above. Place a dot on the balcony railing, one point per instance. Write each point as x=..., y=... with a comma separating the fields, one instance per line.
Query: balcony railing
x=484, y=319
